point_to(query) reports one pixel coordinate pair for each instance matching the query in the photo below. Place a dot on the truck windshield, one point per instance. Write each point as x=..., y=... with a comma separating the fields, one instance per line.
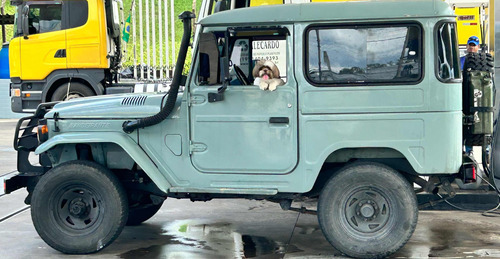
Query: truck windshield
x=447, y=59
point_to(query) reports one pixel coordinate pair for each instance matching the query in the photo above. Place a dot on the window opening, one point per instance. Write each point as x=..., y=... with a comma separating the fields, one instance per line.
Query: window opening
x=44, y=18
x=447, y=65
x=245, y=48
x=362, y=54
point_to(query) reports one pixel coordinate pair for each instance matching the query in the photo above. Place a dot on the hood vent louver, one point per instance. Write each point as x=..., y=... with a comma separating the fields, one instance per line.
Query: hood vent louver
x=134, y=101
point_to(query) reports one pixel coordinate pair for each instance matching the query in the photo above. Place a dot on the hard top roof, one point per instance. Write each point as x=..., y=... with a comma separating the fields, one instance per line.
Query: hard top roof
x=330, y=11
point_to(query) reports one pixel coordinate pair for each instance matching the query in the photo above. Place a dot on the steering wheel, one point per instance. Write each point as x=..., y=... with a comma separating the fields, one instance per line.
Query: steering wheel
x=241, y=76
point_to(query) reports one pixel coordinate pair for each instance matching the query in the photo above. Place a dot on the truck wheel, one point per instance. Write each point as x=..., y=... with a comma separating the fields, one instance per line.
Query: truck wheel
x=79, y=207
x=76, y=90
x=140, y=214
x=367, y=210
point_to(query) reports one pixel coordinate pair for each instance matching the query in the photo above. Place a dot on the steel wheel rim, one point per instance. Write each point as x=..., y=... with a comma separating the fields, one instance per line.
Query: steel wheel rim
x=72, y=96
x=366, y=210
x=77, y=207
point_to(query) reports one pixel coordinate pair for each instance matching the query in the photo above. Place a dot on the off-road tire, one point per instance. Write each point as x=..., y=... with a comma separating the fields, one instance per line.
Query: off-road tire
x=352, y=194
x=138, y=215
x=76, y=90
x=478, y=62
x=79, y=207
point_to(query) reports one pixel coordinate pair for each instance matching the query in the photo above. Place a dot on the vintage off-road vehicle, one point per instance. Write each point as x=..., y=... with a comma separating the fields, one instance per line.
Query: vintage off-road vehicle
x=372, y=101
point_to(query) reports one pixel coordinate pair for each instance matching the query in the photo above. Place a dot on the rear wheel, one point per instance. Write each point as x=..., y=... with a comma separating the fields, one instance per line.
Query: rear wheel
x=76, y=90
x=79, y=207
x=367, y=210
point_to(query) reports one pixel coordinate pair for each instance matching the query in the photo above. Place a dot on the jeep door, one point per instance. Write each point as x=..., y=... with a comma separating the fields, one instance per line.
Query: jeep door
x=244, y=129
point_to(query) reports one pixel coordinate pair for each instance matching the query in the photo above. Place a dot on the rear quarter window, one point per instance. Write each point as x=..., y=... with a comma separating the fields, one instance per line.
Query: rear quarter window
x=447, y=58
x=364, y=54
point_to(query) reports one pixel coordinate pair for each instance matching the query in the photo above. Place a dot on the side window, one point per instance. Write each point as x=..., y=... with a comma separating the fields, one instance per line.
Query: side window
x=246, y=52
x=244, y=49
x=364, y=54
x=44, y=18
x=447, y=60
x=78, y=12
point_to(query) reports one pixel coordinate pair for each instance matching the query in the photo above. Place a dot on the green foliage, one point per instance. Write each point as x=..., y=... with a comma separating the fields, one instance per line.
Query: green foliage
x=9, y=29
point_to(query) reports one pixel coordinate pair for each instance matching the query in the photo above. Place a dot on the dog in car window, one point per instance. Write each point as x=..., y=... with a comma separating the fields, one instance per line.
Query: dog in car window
x=267, y=75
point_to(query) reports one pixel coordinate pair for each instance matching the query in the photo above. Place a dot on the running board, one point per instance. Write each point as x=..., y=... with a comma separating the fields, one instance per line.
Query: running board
x=223, y=191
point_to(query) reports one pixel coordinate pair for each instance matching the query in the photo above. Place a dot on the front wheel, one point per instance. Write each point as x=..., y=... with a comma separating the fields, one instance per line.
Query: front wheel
x=367, y=210
x=76, y=90
x=79, y=207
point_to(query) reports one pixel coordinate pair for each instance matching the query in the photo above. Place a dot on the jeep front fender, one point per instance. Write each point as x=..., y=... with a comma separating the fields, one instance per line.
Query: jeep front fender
x=121, y=139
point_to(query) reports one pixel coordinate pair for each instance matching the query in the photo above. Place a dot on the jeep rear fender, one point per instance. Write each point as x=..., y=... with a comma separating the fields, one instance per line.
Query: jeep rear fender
x=121, y=139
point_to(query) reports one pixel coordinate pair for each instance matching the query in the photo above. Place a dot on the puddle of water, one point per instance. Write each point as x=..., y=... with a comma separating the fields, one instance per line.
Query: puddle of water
x=189, y=239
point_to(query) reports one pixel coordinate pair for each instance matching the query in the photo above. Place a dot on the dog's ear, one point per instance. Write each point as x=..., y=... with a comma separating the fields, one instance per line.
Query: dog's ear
x=276, y=71
x=256, y=68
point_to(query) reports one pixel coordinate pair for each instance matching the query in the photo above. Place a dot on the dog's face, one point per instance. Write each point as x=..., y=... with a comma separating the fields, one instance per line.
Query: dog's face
x=266, y=73
x=266, y=70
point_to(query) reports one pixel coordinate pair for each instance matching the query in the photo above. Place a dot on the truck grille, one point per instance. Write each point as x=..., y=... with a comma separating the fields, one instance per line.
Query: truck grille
x=134, y=101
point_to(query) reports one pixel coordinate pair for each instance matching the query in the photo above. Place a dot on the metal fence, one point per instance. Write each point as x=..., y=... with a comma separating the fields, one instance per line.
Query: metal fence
x=153, y=39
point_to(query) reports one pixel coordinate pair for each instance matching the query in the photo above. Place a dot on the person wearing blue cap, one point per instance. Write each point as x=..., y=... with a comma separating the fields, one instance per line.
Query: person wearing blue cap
x=472, y=46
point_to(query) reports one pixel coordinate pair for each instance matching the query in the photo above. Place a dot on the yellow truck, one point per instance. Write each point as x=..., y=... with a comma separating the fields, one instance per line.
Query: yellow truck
x=63, y=49
x=474, y=18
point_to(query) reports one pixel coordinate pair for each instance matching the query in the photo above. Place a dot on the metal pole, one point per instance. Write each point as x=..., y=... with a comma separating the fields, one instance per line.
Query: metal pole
x=172, y=25
x=2, y=11
x=167, y=56
x=153, y=40
x=141, y=40
x=134, y=39
x=148, y=43
x=160, y=32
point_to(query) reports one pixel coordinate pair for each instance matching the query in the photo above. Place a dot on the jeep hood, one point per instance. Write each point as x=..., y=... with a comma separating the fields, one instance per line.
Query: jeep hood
x=124, y=106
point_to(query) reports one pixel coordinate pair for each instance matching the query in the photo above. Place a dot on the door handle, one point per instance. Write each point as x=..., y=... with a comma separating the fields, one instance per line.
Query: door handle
x=279, y=120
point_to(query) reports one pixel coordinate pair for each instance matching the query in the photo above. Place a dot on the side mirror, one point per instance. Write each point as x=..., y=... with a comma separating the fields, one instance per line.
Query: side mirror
x=224, y=63
x=219, y=96
x=24, y=21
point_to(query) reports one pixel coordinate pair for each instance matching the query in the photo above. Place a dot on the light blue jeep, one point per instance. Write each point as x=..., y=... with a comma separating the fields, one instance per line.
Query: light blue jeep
x=371, y=101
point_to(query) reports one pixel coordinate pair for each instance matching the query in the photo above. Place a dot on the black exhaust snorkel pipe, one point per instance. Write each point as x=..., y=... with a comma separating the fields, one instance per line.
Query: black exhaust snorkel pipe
x=130, y=126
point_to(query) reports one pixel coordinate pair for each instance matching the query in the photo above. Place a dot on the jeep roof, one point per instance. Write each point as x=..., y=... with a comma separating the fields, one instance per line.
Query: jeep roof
x=311, y=12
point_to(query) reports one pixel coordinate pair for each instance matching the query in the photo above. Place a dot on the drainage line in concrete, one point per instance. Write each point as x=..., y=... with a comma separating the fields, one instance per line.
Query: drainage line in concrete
x=13, y=214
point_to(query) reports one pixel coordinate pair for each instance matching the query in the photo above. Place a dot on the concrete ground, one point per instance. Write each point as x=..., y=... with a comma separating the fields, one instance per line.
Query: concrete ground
x=239, y=229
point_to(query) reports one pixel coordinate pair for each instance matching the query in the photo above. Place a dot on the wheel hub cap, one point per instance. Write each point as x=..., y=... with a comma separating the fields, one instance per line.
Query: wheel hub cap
x=78, y=208
x=366, y=210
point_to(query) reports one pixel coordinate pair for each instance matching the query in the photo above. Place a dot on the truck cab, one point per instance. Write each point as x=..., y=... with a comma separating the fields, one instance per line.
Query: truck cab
x=369, y=101
x=59, y=44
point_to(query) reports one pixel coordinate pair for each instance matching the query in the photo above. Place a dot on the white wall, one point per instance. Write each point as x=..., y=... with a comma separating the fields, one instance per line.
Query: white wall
x=5, y=111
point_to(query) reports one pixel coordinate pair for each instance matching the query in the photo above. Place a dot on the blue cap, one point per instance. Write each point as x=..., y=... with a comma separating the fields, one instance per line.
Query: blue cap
x=473, y=39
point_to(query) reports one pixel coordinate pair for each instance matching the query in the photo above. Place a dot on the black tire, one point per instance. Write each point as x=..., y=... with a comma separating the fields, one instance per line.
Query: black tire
x=140, y=214
x=76, y=90
x=367, y=210
x=79, y=207
x=477, y=62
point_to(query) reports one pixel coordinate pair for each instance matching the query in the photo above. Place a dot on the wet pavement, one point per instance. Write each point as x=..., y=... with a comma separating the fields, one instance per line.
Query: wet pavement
x=240, y=229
